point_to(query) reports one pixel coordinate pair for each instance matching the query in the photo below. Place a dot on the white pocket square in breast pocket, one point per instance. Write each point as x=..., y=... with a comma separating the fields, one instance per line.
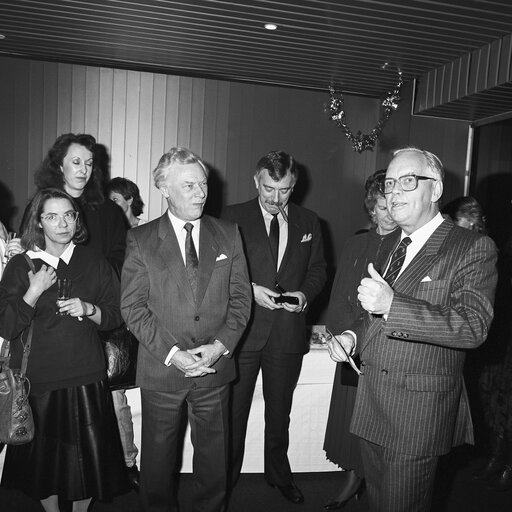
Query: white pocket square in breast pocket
x=426, y=279
x=221, y=257
x=306, y=238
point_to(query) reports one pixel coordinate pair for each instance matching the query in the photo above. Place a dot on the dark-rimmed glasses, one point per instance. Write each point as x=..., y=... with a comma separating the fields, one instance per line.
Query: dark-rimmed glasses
x=53, y=218
x=408, y=182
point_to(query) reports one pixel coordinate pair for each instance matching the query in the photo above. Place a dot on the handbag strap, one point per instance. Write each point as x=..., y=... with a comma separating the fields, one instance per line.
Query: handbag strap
x=28, y=343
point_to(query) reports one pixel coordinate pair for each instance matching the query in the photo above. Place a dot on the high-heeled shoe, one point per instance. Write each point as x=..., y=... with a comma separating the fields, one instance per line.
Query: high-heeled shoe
x=353, y=487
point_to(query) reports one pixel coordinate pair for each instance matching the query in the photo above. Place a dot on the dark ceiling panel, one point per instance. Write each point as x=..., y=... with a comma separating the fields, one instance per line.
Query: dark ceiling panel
x=345, y=42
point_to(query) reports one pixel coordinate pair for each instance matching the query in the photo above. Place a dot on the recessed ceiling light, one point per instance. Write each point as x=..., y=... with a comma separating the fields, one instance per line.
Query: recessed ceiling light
x=270, y=26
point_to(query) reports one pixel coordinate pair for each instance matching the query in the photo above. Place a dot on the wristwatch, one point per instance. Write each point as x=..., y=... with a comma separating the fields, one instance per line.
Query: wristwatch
x=93, y=312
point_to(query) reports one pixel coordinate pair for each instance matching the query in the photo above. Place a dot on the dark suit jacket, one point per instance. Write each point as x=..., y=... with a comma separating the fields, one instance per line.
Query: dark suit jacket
x=302, y=269
x=412, y=397
x=158, y=305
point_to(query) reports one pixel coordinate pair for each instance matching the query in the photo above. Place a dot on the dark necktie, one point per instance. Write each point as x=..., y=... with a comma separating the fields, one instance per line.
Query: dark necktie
x=397, y=260
x=273, y=237
x=191, y=261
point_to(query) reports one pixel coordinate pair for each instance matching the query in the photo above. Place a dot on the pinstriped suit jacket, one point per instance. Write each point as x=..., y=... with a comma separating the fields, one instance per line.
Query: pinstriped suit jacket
x=412, y=397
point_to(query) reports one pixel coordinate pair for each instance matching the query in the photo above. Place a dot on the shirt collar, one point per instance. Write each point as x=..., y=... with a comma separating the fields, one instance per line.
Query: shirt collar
x=49, y=258
x=267, y=215
x=178, y=224
x=421, y=235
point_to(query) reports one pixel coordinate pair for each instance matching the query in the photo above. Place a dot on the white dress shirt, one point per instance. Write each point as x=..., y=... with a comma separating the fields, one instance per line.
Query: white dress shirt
x=283, y=231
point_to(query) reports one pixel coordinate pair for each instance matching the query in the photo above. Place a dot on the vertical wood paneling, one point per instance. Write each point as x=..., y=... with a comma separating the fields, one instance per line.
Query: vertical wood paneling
x=50, y=101
x=20, y=122
x=144, y=137
x=221, y=128
x=78, y=95
x=197, y=116
x=92, y=95
x=157, y=143
x=172, y=103
x=35, y=120
x=132, y=125
x=118, y=122
x=185, y=112
x=65, y=85
x=106, y=103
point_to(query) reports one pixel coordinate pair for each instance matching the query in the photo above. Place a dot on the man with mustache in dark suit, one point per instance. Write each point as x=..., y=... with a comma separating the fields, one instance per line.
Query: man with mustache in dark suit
x=284, y=249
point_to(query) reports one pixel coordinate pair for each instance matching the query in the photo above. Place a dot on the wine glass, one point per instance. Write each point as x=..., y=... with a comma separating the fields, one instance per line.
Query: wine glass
x=7, y=256
x=63, y=291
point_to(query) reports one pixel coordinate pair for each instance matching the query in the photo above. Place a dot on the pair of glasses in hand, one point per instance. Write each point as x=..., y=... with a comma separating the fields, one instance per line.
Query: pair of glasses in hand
x=350, y=361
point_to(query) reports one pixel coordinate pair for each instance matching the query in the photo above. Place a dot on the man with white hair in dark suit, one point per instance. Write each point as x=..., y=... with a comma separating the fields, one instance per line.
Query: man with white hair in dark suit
x=431, y=302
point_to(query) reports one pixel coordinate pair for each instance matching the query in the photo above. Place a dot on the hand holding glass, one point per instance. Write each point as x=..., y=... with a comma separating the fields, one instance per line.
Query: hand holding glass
x=7, y=254
x=63, y=292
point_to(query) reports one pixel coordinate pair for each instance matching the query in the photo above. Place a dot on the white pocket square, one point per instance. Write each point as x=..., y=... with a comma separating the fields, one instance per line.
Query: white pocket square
x=221, y=257
x=426, y=279
x=307, y=238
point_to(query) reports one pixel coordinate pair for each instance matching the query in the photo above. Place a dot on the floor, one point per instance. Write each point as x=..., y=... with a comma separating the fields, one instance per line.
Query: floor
x=455, y=491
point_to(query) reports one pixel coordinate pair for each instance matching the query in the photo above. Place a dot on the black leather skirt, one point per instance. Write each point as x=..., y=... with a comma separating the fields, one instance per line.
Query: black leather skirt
x=76, y=452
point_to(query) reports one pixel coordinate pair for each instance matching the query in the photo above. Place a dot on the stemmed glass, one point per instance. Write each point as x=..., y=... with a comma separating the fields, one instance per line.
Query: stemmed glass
x=7, y=256
x=63, y=291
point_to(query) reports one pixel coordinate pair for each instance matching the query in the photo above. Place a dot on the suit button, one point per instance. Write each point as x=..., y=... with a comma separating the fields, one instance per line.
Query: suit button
x=384, y=371
x=196, y=318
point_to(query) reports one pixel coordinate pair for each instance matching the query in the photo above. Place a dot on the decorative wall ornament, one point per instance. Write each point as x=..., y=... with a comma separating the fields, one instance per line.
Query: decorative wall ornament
x=362, y=141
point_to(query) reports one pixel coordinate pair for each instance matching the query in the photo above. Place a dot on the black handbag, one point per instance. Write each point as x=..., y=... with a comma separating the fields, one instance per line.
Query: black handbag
x=16, y=420
x=121, y=348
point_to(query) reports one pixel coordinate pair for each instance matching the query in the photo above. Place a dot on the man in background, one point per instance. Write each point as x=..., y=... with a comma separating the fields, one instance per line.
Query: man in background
x=284, y=250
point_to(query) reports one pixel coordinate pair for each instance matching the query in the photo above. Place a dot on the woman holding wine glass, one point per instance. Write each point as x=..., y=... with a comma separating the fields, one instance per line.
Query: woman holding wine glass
x=76, y=452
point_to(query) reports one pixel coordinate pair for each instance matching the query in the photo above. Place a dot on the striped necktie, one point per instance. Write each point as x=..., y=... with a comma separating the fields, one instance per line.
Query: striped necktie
x=397, y=260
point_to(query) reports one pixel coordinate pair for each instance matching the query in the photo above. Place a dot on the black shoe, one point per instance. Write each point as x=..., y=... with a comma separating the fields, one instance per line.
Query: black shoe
x=490, y=469
x=290, y=491
x=133, y=477
x=503, y=481
x=351, y=486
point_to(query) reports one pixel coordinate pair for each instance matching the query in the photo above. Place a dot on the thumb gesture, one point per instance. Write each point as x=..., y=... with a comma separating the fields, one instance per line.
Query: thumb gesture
x=374, y=293
x=374, y=274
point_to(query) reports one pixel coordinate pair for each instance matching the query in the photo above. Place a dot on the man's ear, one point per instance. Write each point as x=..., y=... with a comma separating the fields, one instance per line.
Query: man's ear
x=164, y=191
x=437, y=191
x=256, y=182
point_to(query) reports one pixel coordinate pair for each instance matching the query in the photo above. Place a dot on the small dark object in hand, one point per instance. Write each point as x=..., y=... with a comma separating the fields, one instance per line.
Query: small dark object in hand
x=286, y=298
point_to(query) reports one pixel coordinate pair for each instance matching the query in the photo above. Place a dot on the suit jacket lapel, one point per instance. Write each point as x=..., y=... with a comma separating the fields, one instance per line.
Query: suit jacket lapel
x=208, y=252
x=417, y=269
x=428, y=255
x=169, y=251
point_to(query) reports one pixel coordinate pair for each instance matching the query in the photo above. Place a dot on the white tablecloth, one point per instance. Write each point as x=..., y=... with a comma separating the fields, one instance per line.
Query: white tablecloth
x=307, y=425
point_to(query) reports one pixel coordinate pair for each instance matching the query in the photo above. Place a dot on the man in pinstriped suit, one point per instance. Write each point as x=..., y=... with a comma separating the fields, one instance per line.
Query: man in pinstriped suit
x=411, y=404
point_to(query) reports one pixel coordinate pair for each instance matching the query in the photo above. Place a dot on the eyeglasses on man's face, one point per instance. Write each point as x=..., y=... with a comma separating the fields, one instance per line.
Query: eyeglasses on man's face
x=53, y=218
x=408, y=182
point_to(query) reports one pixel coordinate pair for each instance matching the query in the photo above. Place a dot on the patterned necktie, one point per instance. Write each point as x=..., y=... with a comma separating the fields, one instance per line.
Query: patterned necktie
x=191, y=257
x=397, y=260
x=273, y=237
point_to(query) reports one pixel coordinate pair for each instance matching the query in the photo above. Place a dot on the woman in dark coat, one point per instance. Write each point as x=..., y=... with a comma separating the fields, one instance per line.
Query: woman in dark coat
x=76, y=452
x=71, y=166
x=341, y=447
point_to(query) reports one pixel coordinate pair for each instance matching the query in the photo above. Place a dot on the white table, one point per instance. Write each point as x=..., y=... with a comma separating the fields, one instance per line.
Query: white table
x=307, y=426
